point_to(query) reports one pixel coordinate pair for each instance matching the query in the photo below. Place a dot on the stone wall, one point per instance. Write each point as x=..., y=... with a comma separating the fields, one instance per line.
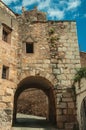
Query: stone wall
x=53, y=53
x=64, y=52
x=66, y=110
x=8, y=55
x=55, y=57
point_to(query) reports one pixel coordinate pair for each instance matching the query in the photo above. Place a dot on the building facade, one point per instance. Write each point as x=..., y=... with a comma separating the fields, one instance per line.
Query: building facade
x=40, y=54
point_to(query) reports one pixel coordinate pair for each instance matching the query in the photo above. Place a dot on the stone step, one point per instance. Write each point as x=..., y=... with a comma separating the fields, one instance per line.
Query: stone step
x=23, y=128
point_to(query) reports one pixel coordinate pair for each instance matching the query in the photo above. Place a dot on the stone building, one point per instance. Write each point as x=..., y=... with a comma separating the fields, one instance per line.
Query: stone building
x=83, y=59
x=42, y=55
x=81, y=96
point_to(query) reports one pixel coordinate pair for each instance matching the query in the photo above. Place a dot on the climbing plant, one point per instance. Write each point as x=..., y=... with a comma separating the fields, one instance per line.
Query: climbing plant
x=80, y=73
x=51, y=30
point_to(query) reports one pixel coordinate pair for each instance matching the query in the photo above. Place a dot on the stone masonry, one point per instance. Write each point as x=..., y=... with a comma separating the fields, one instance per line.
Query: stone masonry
x=51, y=66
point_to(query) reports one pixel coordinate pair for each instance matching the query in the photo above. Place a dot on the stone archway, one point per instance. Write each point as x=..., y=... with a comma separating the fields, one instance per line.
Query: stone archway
x=83, y=114
x=39, y=83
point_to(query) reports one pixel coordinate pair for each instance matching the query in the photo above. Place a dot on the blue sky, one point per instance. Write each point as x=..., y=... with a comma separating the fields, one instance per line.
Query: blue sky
x=58, y=10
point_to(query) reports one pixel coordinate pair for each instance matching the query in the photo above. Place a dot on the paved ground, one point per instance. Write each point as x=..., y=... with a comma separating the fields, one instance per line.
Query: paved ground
x=25, y=122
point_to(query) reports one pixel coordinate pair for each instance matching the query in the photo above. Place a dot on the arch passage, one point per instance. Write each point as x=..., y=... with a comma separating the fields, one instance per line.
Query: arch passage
x=38, y=83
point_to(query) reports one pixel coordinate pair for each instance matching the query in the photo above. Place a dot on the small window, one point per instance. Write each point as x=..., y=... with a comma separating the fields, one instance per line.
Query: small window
x=29, y=47
x=6, y=34
x=5, y=72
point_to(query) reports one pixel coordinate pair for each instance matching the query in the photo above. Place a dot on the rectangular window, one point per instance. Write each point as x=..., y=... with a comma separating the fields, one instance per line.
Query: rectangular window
x=6, y=34
x=29, y=47
x=5, y=72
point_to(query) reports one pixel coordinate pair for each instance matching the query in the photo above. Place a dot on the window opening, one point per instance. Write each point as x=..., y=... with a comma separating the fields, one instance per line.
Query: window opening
x=29, y=47
x=5, y=72
x=6, y=36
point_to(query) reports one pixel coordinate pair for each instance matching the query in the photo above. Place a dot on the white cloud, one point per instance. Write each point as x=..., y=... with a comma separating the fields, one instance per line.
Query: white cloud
x=56, y=13
x=29, y=2
x=63, y=2
x=76, y=15
x=73, y=4
x=54, y=9
x=8, y=2
x=84, y=15
x=43, y=4
x=18, y=8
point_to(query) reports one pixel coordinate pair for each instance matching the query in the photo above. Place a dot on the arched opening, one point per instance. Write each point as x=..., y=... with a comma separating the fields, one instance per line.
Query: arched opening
x=40, y=85
x=83, y=114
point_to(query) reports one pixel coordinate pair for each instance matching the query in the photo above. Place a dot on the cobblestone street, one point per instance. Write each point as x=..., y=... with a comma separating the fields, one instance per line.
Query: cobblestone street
x=26, y=122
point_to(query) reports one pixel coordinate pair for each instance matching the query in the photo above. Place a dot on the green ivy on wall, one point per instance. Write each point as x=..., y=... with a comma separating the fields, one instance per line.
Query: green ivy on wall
x=80, y=73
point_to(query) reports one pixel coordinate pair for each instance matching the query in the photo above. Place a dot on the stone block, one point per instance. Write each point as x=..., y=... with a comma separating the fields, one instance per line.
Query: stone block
x=62, y=118
x=56, y=71
x=69, y=125
x=59, y=111
x=60, y=125
x=71, y=105
x=2, y=105
x=2, y=92
x=67, y=99
x=47, y=61
x=9, y=91
x=65, y=112
x=67, y=95
x=62, y=105
x=70, y=111
x=7, y=98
